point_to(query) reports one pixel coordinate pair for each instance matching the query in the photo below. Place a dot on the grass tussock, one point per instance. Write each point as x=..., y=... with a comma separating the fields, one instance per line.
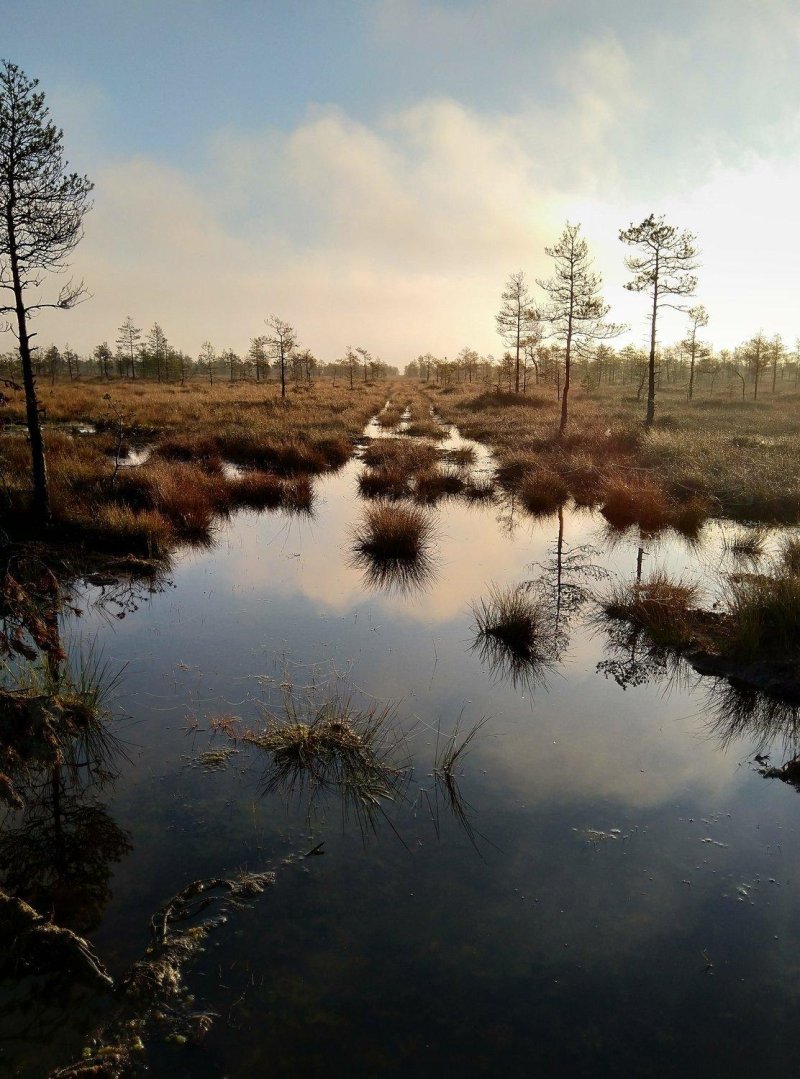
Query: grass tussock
x=332, y=748
x=747, y=545
x=512, y=616
x=390, y=532
x=264, y=490
x=434, y=484
x=426, y=429
x=400, y=452
x=664, y=608
x=790, y=555
x=479, y=489
x=543, y=491
x=763, y=614
x=387, y=481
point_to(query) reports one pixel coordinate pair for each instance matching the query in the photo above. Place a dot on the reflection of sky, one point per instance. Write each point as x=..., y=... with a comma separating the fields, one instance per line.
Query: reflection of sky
x=632, y=914
x=277, y=586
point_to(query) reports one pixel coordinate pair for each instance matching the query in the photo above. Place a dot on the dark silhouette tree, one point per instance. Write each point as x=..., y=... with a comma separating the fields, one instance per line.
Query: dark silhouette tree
x=42, y=208
x=575, y=308
x=662, y=268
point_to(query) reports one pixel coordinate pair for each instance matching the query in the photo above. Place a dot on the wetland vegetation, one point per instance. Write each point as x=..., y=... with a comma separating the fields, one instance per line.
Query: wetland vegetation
x=431, y=717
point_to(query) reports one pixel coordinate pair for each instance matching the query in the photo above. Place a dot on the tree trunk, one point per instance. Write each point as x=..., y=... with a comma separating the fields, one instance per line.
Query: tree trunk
x=41, y=493
x=651, y=370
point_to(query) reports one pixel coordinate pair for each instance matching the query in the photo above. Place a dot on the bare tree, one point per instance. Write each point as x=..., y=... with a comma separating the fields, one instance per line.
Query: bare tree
x=366, y=359
x=698, y=317
x=42, y=208
x=575, y=308
x=664, y=269
x=282, y=340
x=516, y=318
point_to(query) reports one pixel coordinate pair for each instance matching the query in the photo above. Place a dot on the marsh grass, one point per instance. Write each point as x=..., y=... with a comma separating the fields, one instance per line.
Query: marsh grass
x=449, y=755
x=426, y=429
x=746, y=545
x=790, y=555
x=664, y=608
x=265, y=490
x=175, y=496
x=396, y=533
x=542, y=492
x=431, y=485
x=392, y=480
x=511, y=638
x=330, y=748
x=479, y=489
x=56, y=714
x=764, y=613
x=734, y=458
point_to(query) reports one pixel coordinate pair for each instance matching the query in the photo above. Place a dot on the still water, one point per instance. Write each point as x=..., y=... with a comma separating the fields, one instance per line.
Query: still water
x=623, y=899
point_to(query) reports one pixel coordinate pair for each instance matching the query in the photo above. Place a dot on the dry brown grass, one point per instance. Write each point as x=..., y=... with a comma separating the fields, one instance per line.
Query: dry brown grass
x=716, y=455
x=177, y=493
x=401, y=533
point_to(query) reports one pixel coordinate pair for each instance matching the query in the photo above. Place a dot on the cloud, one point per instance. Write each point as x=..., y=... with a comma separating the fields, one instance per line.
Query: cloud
x=399, y=231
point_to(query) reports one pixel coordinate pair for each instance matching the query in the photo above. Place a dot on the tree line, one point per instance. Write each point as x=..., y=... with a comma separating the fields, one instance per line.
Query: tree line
x=545, y=339
x=150, y=356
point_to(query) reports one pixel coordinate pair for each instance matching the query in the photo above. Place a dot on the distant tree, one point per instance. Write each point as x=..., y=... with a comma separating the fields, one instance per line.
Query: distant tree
x=71, y=360
x=757, y=358
x=776, y=351
x=232, y=362
x=365, y=360
x=157, y=346
x=698, y=317
x=103, y=355
x=351, y=362
x=516, y=318
x=53, y=361
x=306, y=363
x=207, y=359
x=42, y=207
x=662, y=268
x=575, y=310
x=282, y=340
x=128, y=343
x=257, y=354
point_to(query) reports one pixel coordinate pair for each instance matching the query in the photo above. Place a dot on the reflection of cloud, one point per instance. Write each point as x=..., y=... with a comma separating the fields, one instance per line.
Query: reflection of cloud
x=472, y=551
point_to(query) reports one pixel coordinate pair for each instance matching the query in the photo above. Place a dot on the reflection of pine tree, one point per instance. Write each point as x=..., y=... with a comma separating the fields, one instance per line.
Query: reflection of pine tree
x=563, y=587
x=58, y=854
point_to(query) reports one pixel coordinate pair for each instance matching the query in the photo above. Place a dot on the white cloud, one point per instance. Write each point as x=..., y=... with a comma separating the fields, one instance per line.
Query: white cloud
x=398, y=233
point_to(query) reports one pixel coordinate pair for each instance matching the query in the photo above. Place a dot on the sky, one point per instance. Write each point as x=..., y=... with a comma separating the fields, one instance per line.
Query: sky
x=372, y=172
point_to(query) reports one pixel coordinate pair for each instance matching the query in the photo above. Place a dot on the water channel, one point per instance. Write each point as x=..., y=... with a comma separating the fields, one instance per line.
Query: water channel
x=621, y=896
